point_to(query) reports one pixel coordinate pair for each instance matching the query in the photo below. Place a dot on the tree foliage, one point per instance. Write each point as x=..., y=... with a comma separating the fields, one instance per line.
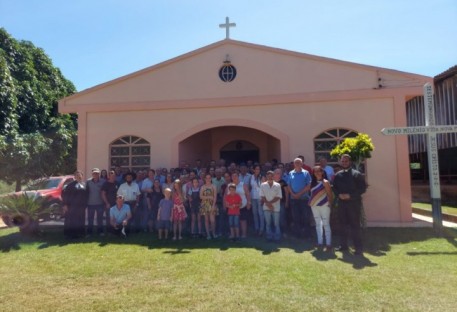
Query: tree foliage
x=359, y=148
x=35, y=140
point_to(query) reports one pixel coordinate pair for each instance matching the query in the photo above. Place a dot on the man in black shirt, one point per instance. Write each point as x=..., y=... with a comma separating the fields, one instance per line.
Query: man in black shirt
x=109, y=193
x=349, y=185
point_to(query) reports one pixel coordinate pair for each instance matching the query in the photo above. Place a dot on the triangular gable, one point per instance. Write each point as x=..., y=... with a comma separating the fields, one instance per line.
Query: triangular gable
x=261, y=71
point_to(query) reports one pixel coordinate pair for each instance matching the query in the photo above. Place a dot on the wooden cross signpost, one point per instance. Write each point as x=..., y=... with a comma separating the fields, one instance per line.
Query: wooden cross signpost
x=430, y=129
x=227, y=26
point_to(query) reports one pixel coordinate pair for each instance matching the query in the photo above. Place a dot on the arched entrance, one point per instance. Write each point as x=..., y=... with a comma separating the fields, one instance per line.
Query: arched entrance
x=239, y=151
x=236, y=143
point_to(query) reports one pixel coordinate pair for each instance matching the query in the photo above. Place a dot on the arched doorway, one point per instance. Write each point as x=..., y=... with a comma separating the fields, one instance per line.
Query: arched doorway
x=237, y=143
x=239, y=151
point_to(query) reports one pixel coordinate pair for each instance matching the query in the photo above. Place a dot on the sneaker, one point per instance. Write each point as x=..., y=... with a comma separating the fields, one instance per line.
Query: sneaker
x=328, y=248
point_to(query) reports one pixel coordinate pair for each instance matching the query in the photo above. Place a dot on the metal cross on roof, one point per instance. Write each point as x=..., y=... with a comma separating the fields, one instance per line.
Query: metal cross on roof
x=227, y=26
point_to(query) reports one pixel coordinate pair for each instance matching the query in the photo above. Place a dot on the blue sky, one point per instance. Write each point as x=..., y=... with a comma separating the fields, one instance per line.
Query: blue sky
x=94, y=41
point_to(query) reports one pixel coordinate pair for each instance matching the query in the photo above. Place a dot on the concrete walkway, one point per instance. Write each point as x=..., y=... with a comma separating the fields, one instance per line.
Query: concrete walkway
x=429, y=221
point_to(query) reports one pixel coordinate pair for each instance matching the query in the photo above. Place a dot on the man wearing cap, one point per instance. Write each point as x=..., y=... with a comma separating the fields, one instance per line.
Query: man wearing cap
x=119, y=216
x=95, y=204
x=131, y=193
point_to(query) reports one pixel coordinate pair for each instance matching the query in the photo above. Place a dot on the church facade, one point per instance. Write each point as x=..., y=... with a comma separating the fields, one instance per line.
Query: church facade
x=237, y=100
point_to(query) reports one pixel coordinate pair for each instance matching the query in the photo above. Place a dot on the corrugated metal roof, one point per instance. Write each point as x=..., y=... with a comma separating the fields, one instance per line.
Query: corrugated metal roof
x=446, y=74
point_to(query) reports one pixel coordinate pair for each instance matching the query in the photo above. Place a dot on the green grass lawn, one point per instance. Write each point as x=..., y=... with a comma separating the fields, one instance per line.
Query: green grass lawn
x=6, y=188
x=444, y=209
x=403, y=269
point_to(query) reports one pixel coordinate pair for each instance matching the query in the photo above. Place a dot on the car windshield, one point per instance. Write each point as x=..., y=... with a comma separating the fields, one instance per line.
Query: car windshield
x=44, y=184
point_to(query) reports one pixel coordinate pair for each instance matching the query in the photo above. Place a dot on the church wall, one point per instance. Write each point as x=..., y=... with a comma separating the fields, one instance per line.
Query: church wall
x=196, y=147
x=300, y=121
x=260, y=72
x=291, y=96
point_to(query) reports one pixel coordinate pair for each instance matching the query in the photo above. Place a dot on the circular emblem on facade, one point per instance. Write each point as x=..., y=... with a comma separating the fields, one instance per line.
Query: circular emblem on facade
x=227, y=72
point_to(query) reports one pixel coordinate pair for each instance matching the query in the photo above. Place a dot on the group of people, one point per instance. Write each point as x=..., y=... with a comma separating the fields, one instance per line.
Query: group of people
x=273, y=199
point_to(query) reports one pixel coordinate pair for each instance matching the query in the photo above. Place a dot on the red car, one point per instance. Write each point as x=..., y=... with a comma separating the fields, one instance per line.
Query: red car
x=51, y=188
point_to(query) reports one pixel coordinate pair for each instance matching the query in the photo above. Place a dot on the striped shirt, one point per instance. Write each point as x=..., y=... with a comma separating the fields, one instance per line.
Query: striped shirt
x=318, y=195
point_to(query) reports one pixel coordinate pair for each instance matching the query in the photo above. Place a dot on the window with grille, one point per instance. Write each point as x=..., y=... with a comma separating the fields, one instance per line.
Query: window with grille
x=328, y=140
x=130, y=152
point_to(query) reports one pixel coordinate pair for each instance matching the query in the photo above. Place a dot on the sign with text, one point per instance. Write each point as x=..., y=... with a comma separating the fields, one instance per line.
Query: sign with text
x=431, y=130
x=420, y=130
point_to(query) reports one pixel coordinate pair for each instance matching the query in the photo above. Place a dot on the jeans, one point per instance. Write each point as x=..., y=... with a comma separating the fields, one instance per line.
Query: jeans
x=282, y=217
x=144, y=213
x=322, y=217
x=91, y=210
x=131, y=226
x=301, y=214
x=222, y=220
x=234, y=221
x=269, y=216
x=259, y=217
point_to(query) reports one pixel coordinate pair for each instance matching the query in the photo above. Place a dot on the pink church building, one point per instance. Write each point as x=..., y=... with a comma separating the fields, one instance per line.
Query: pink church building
x=235, y=99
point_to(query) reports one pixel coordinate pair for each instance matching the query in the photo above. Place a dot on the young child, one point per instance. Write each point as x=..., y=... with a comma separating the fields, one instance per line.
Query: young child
x=233, y=203
x=193, y=196
x=164, y=214
x=179, y=211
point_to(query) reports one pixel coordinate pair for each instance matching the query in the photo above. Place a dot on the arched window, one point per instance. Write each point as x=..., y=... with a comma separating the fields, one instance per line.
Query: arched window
x=130, y=152
x=327, y=140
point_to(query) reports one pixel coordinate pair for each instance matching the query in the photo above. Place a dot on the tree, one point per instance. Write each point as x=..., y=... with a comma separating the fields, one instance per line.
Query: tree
x=35, y=140
x=359, y=148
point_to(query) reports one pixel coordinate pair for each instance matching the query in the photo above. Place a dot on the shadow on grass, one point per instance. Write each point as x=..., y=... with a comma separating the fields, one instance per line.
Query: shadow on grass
x=377, y=242
x=358, y=261
x=431, y=253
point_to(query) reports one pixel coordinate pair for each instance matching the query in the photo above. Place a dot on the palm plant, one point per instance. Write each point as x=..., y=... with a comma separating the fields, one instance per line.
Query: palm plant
x=24, y=211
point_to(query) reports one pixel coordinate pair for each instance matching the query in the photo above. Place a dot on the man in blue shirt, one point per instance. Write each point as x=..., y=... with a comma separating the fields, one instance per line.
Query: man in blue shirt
x=299, y=181
x=119, y=216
